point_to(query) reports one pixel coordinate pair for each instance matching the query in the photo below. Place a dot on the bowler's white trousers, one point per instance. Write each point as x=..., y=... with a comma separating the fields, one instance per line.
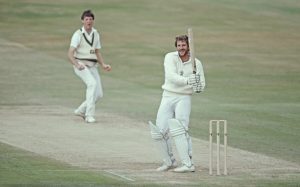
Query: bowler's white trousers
x=90, y=77
x=178, y=107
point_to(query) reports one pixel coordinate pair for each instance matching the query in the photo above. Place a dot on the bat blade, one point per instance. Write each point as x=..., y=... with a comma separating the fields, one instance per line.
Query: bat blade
x=192, y=49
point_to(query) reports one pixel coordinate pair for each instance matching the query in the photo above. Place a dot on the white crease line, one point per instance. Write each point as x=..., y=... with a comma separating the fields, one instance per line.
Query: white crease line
x=66, y=170
x=122, y=176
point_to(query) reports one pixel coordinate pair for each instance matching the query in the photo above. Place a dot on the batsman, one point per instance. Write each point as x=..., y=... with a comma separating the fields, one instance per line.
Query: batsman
x=183, y=76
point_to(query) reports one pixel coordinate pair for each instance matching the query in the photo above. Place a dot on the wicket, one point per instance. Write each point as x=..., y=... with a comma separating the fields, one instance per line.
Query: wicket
x=217, y=123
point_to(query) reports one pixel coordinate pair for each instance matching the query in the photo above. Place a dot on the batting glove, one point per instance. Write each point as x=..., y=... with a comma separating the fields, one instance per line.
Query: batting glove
x=197, y=88
x=194, y=81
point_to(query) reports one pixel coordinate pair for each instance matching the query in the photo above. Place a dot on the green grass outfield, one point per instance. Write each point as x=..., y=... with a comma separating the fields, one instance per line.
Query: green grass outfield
x=20, y=168
x=249, y=49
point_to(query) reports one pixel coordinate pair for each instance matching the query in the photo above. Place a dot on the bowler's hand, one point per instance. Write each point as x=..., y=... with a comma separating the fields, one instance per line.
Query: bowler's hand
x=79, y=66
x=106, y=67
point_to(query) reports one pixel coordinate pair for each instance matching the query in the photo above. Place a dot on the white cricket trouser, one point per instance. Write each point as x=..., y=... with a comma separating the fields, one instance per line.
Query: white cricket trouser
x=90, y=76
x=178, y=107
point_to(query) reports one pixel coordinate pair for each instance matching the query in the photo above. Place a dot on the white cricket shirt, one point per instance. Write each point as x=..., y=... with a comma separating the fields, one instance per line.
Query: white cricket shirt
x=177, y=73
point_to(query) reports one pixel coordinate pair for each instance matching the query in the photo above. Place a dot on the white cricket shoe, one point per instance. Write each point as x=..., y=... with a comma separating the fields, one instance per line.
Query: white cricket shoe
x=184, y=169
x=79, y=113
x=90, y=119
x=164, y=167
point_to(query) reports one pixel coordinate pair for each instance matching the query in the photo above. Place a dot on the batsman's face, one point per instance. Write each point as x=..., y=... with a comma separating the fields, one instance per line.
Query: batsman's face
x=182, y=48
x=88, y=23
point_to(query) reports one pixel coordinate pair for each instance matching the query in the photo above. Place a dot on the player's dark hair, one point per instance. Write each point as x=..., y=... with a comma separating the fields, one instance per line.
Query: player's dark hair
x=182, y=38
x=87, y=13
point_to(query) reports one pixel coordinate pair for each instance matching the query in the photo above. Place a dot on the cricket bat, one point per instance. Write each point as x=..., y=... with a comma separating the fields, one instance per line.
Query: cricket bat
x=192, y=49
x=192, y=56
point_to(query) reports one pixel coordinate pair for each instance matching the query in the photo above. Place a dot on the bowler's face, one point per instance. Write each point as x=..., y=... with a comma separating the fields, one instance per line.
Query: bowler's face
x=88, y=23
x=182, y=48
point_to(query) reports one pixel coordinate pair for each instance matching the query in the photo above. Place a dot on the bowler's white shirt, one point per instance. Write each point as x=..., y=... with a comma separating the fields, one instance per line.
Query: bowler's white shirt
x=75, y=41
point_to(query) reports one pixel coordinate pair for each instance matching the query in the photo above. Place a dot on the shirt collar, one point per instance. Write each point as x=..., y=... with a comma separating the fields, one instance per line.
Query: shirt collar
x=83, y=30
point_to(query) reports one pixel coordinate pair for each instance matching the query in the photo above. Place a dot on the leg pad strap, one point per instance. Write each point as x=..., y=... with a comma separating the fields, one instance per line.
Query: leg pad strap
x=176, y=128
x=155, y=132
